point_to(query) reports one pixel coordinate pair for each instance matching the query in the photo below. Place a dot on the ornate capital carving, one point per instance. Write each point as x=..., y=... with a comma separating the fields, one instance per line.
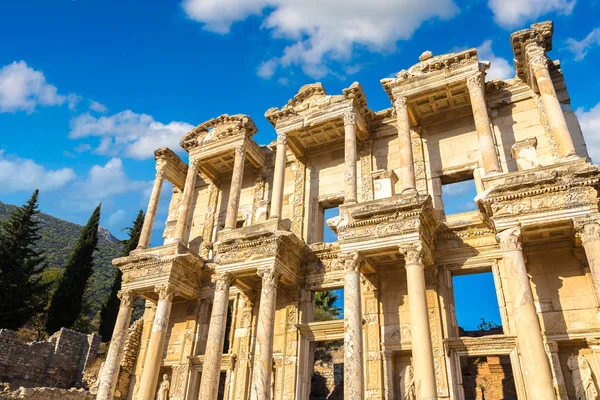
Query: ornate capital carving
x=352, y=261
x=413, y=253
x=400, y=102
x=587, y=229
x=538, y=62
x=161, y=164
x=350, y=118
x=270, y=277
x=240, y=150
x=474, y=82
x=510, y=239
x=165, y=292
x=223, y=281
x=194, y=162
x=127, y=297
x=282, y=138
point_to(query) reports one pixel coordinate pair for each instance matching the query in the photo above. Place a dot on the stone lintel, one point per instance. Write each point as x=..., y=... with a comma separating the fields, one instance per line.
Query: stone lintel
x=174, y=169
x=170, y=264
x=227, y=361
x=323, y=330
x=539, y=34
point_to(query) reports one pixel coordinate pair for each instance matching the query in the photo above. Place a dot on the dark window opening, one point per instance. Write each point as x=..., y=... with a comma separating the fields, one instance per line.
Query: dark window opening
x=458, y=193
x=327, y=382
x=221, y=389
x=240, y=223
x=482, y=316
x=227, y=341
x=488, y=377
x=328, y=305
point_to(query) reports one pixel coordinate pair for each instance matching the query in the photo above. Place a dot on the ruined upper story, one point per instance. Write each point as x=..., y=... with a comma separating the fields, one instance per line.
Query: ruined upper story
x=438, y=93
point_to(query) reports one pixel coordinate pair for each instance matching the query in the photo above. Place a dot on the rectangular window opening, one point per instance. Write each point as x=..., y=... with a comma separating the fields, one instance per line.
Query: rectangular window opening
x=488, y=377
x=476, y=305
x=458, y=193
x=327, y=381
x=328, y=305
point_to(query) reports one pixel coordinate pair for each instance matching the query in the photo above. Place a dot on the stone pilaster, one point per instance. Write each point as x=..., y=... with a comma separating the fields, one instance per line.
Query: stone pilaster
x=407, y=165
x=110, y=371
x=150, y=217
x=279, y=176
x=181, y=228
x=241, y=346
x=235, y=190
x=263, y=359
x=554, y=113
x=290, y=356
x=422, y=349
x=388, y=375
x=350, y=157
x=209, y=385
x=588, y=231
x=485, y=138
x=353, y=333
x=156, y=343
x=372, y=339
x=534, y=360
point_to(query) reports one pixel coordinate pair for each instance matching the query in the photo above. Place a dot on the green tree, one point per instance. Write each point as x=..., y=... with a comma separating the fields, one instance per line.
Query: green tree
x=20, y=266
x=110, y=308
x=325, y=310
x=66, y=301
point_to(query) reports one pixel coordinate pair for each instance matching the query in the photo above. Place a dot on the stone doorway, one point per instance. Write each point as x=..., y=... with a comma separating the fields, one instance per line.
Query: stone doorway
x=488, y=378
x=327, y=381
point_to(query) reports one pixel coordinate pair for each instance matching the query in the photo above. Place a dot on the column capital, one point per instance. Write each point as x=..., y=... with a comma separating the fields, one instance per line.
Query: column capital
x=281, y=138
x=127, y=297
x=349, y=118
x=538, y=62
x=400, y=102
x=240, y=150
x=222, y=281
x=413, y=253
x=474, y=82
x=161, y=164
x=587, y=229
x=270, y=276
x=165, y=292
x=352, y=261
x=194, y=162
x=510, y=239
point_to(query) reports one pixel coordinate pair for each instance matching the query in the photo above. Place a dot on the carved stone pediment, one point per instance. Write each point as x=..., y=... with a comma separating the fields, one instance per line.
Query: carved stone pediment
x=219, y=128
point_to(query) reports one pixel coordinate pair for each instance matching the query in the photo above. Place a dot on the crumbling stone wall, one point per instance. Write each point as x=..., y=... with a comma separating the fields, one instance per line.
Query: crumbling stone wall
x=327, y=382
x=57, y=362
x=47, y=394
x=488, y=378
x=132, y=348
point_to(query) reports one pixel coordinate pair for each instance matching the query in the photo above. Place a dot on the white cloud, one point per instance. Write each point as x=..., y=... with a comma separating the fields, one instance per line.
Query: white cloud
x=581, y=47
x=500, y=67
x=590, y=126
x=98, y=107
x=321, y=32
x=459, y=188
x=128, y=133
x=115, y=218
x=514, y=14
x=19, y=174
x=22, y=89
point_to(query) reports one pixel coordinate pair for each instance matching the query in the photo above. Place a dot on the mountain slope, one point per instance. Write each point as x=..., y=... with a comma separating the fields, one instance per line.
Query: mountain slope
x=58, y=239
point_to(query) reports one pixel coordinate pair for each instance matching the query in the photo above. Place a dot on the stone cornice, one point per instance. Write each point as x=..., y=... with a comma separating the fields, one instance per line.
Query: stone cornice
x=219, y=128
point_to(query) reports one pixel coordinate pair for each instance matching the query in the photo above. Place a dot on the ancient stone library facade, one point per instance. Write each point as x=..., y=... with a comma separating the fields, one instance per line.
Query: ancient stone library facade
x=229, y=311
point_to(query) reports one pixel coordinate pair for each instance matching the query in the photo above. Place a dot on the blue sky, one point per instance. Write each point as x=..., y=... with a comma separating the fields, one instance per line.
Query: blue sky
x=89, y=88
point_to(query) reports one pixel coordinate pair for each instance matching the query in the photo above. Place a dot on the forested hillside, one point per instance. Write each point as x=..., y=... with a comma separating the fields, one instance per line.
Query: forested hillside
x=58, y=239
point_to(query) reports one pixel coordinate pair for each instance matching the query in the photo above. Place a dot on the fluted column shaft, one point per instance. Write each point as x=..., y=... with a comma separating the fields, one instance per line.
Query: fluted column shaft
x=556, y=118
x=150, y=217
x=589, y=233
x=353, y=333
x=279, y=176
x=263, y=355
x=350, y=156
x=485, y=137
x=236, y=187
x=407, y=164
x=156, y=343
x=213, y=355
x=109, y=373
x=420, y=332
x=186, y=202
x=537, y=374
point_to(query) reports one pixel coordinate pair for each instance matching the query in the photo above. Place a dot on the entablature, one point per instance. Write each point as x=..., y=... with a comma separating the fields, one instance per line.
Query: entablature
x=169, y=163
x=538, y=35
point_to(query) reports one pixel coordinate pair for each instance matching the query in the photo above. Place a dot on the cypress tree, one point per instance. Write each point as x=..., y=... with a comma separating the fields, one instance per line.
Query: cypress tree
x=110, y=308
x=65, y=304
x=21, y=288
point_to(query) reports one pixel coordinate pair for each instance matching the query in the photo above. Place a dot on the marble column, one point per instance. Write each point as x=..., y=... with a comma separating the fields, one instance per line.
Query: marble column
x=236, y=187
x=350, y=156
x=588, y=231
x=156, y=343
x=279, y=176
x=485, y=137
x=420, y=332
x=556, y=118
x=353, y=332
x=146, y=233
x=407, y=164
x=209, y=385
x=181, y=228
x=537, y=374
x=109, y=373
x=263, y=354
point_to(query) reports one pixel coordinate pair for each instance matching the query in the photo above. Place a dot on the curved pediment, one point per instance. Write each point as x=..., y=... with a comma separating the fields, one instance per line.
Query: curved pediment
x=221, y=127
